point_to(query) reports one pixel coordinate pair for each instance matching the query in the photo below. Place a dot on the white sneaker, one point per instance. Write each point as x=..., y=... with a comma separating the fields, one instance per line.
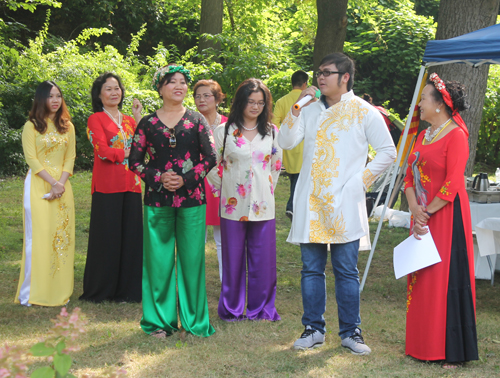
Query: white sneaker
x=356, y=344
x=310, y=339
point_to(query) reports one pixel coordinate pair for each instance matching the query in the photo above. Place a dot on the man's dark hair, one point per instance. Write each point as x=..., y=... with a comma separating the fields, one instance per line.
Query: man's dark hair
x=299, y=78
x=343, y=64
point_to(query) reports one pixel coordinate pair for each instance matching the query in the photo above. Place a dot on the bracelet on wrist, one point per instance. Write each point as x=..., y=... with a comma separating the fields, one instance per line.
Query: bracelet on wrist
x=54, y=184
x=429, y=214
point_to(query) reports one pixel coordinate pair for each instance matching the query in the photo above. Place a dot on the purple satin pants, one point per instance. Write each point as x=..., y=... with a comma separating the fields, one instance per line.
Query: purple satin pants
x=252, y=243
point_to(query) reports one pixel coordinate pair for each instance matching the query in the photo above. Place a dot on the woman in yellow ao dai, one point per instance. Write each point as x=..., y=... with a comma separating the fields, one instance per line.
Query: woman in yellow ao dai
x=46, y=276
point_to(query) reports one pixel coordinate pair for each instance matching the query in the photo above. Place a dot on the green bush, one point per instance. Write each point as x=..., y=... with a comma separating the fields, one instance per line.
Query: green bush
x=74, y=70
x=488, y=145
x=388, y=45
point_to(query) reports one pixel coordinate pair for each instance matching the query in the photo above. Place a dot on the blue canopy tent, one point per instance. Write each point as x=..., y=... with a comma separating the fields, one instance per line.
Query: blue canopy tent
x=475, y=49
x=479, y=47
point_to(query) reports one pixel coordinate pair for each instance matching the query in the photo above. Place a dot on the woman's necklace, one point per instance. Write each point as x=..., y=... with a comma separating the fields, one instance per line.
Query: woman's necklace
x=247, y=129
x=429, y=137
x=119, y=124
x=216, y=122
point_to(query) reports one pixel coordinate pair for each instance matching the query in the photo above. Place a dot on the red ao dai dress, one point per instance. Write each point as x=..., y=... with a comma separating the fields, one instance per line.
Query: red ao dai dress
x=440, y=322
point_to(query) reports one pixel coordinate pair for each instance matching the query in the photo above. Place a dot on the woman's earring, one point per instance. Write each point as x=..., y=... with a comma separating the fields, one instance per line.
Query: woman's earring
x=438, y=110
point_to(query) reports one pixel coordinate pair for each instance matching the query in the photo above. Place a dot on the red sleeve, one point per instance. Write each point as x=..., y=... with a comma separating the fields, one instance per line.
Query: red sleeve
x=97, y=137
x=457, y=154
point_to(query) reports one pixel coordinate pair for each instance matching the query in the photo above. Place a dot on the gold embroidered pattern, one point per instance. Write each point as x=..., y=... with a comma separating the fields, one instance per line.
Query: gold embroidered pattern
x=368, y=178
x=410, y=290
x=339, y=118
x=423, y=177
x=288, y=121
x=62, y=239
x=53, y=142
x=444, y=189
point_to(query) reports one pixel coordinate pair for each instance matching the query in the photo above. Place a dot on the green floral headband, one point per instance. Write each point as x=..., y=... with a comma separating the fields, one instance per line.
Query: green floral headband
x=160, y=74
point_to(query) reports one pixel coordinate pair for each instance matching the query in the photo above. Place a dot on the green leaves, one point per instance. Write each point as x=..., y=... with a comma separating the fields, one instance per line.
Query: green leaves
x=488, y=145
x=31, y=5
x=42, y=350
x=62, y=364
x=387, y=40
x=44, y=372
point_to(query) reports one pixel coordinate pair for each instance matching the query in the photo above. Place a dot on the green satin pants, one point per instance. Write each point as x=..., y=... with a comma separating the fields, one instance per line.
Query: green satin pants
x=164, y=227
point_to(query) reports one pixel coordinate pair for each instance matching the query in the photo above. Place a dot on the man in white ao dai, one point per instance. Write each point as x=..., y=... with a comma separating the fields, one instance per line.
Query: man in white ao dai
x=329, y=203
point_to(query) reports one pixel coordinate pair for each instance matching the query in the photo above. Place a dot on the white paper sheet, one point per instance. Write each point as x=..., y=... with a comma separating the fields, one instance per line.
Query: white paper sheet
x=412, y=255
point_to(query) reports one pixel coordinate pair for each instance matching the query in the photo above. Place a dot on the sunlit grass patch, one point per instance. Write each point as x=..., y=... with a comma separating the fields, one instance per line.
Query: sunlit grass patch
x=237, y=349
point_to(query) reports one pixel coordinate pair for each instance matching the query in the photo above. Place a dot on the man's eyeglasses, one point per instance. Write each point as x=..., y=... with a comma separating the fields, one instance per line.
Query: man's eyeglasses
x=206, y=96
x=260, y=104
x=328, y=73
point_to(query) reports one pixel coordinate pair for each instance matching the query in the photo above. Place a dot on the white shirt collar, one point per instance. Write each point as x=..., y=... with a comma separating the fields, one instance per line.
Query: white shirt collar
x=344, y=97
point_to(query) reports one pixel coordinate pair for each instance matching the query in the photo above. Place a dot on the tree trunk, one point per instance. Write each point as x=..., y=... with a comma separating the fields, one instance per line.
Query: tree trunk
x=458, y=17
x=332, y=23
x=212, y=12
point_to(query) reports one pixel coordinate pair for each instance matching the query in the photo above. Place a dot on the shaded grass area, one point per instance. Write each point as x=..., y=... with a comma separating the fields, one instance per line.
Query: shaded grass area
x=244, y=349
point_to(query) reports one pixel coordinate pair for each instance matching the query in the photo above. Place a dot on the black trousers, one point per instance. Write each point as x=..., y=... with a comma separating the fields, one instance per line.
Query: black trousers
x=113, y=271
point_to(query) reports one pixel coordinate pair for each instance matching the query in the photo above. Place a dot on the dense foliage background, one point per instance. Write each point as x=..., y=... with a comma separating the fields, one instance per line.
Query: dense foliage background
x=73, y=41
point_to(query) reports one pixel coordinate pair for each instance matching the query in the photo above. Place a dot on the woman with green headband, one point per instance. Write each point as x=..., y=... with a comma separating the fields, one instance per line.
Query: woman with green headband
x=181, y=153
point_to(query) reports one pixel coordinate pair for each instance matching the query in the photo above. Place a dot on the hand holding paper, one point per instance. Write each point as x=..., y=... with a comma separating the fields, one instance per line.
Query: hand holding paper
x=412, y=255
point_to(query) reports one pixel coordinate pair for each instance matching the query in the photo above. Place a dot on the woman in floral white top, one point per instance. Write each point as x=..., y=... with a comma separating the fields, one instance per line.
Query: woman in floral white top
x=249, y=163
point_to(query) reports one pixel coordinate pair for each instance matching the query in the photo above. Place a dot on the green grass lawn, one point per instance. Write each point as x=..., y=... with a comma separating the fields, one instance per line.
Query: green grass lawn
x=243, y=349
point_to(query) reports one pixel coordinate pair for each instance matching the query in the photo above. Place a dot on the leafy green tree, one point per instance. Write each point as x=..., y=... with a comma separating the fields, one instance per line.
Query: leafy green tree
x=30, y=5
x=388, y=44
x=170, y=22
x=429, y=8
x=488, y=145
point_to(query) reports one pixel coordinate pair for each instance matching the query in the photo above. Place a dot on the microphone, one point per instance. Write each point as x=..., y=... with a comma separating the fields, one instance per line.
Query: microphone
x=305, y=100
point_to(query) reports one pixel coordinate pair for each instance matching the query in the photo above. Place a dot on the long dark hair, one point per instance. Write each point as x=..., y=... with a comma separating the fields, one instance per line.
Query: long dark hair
x=97, y=87
x=240, y=101
x=39, y=112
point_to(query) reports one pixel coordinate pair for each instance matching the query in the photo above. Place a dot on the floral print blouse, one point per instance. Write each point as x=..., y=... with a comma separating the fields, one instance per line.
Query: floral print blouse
x=192, y=158
x=111, y=173
x=249, y=175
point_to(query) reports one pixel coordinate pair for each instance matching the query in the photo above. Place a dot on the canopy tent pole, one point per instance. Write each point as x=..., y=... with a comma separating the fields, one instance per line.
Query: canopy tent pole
x=393, y=178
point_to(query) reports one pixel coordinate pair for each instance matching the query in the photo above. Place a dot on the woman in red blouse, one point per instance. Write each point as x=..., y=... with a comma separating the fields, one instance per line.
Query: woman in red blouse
x=113, y=271
x=207, y=97
x=441, y=319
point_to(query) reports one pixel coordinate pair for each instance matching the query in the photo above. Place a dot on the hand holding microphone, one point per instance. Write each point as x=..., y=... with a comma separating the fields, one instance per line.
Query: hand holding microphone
x=304, y=100
x=307, y=98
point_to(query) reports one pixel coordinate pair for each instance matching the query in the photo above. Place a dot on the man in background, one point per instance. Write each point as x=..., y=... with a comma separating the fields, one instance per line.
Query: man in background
x=292, y=159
